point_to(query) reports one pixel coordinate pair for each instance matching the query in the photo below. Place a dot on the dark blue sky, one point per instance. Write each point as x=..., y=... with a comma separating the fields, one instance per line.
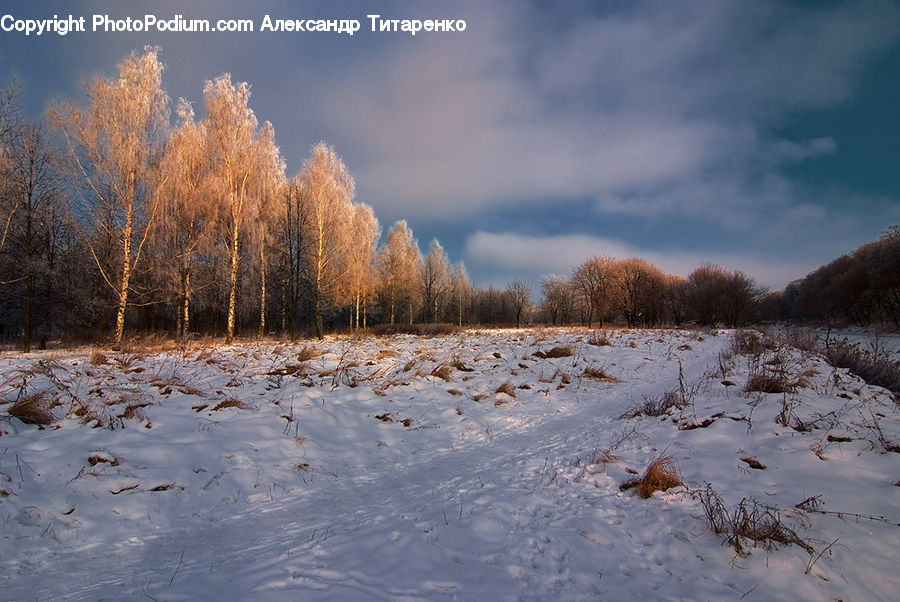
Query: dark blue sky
x=759, y=135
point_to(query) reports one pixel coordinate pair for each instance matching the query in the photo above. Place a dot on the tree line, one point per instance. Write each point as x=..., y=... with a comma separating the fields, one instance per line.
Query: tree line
x=862, y=287
x=114, y=214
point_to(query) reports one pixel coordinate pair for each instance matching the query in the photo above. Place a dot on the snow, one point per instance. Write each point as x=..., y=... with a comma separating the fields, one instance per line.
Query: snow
x=303, y=493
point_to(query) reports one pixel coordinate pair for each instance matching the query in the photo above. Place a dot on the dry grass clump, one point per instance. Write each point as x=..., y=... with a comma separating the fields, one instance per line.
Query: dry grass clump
x=769, y=382
x=506, y=388
x=33, y=409
x=658, y=405
x=753, y=342
x=231, y=402
x=444, y=371
x=661, y=475
x=298, y=370
x=556, y=352
x=750, y=520
x=599, y=374
x=600, y=340
x=98, y=358
x=307, y=353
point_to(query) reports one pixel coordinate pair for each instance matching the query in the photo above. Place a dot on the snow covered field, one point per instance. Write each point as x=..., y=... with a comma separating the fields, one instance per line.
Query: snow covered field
x=478, y=466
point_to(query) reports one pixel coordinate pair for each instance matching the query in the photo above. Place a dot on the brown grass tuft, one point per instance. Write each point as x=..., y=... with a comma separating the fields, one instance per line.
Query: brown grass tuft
x=444, y=371
x=506, y=388
x=599, y=374
x=556, y=352
x=231, y=403
x=661, y=475
x=308, y=353
x=33, y=409
x=769, y=382
x=98, y=358
x=600, y=340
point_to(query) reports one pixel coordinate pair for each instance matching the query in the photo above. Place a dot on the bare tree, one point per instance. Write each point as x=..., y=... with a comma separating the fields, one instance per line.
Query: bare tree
x=641, y=293
x=114, y=145
x=364, y=233
x=35, y=185
x=399, y=263
x=519, y=293
x=435, y=282
x=558, y=304
x=326, y=188
x=594, y=282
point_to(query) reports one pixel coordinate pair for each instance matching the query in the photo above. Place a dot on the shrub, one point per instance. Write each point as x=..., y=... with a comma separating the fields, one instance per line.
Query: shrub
x=750, y=520
x=753, y=342
x=875, y=369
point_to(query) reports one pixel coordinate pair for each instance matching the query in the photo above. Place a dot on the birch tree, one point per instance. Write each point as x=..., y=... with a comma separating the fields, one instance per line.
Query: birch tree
x=239, y=154
x=114, y=145
x=462, y=293
x=399, y=263
x=187, y=214
x=364, y=233
x=326, y=191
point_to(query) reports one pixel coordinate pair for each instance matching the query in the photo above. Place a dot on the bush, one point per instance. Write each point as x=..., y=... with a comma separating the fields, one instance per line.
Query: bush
x=878, y=370
x=753, y=342
x=750, y=520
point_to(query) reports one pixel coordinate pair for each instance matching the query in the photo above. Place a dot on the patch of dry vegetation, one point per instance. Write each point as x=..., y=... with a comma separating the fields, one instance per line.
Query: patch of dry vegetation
x=556, y=352
x=751, y=520
x=599, y=374
x=507, y=388
x=661, y=475
x=33, y=409
x=231, y=402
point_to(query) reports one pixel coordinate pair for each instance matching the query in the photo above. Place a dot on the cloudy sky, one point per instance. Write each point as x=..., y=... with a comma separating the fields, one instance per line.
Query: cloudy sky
x=762, y=136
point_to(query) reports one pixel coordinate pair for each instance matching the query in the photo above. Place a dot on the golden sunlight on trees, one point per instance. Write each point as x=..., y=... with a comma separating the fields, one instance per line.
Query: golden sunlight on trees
x=364, y=232
x=245, y=164
x=326, y=190
x=187, y=215
x=594, y=282
x=114, y=145
x=399, y=263
x=114, y=215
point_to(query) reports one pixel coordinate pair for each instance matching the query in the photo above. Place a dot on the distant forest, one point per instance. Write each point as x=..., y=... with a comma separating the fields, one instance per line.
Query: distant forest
x=117, y=217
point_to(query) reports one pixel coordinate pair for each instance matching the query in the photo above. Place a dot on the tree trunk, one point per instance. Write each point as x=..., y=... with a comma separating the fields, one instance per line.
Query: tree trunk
x=262, y=293
x=126, y=277
x=232, y=295
x=186, y=307
x=29, y=285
